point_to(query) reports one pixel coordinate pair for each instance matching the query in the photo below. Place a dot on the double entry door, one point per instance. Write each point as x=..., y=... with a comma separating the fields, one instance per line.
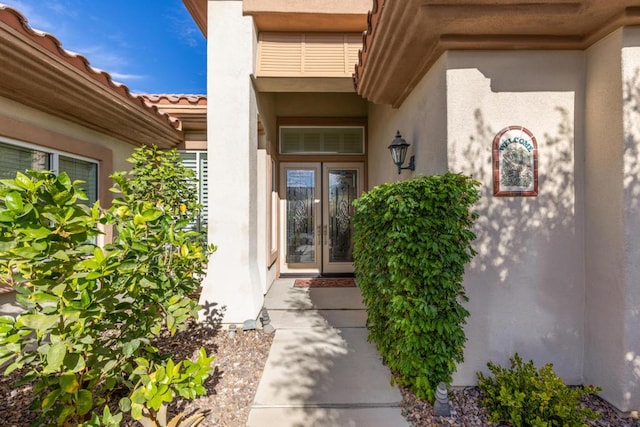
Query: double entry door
x=316, y=216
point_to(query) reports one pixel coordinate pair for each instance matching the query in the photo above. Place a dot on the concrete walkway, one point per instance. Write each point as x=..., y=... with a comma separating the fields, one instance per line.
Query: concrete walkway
x=321, y=371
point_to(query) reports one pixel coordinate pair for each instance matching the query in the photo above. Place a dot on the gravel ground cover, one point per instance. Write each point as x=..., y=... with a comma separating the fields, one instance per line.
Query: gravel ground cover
x=238, y=366
x=466, y=411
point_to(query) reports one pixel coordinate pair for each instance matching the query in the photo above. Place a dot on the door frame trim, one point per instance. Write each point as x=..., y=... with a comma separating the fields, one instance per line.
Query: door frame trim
x=319, y=165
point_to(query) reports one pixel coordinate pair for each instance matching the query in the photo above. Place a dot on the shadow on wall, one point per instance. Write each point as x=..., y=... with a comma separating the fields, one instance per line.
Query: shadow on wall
x=631, y=110
x=526, y=283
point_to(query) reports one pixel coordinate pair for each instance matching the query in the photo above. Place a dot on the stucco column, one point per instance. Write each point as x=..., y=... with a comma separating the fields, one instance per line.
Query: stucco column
x=232, y=279
x=612, y=342
x=631, y=185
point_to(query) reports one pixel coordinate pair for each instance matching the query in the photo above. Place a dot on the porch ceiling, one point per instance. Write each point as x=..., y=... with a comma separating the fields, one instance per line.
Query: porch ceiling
x=303, y=84
x=405, y=38
x=38, y=72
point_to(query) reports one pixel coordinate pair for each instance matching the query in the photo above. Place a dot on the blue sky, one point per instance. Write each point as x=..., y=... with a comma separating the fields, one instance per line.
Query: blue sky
x=152, y=46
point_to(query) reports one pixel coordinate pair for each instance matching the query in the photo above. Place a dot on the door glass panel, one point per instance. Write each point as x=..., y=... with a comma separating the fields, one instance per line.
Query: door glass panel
x=301, y=195
x=343, y=189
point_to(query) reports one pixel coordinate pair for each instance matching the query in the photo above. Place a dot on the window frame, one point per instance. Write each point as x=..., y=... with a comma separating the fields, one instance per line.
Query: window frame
x=54, y=156
x=200, y=226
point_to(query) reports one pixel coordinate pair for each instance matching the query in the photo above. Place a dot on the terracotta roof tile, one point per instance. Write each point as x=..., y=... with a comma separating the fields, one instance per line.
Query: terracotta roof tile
x=19, y=22
x=173, y=99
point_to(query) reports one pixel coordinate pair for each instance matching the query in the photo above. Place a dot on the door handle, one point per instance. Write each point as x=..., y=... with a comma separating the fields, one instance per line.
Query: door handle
x=326, y=235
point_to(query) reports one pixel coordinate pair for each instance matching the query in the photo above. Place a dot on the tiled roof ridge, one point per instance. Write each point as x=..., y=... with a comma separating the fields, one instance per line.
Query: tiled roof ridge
x=367, y=39
x=16, y=20
x=175, y=98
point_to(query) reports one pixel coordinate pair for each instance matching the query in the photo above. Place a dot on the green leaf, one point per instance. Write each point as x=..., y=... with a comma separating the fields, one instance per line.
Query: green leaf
x=7, y=216
x=65, y=413
x=26, y=252
x=13, y=201
x=69, y=383
x=55, y=357
x=50, y=399
x=61, y=255
x=125, y=404
x=39, y=322
x=42, y=297
x=35, y=232
x=136, y=411
x=84, y=401
x=74, y=362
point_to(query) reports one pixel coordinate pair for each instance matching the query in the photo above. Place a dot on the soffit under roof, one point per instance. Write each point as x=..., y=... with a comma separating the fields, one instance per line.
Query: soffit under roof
x=295, y=15
x=39, y=73
x=405, y=38
x=191, y=110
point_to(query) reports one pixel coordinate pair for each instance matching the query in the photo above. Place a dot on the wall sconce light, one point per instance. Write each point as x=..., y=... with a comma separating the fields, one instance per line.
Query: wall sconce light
x=398, y=150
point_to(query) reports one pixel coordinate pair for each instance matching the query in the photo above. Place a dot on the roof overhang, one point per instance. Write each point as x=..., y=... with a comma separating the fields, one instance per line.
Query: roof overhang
x=198, y=10
x=191, y=110
x=39, y=73
x=404, y=39
x=297, y=15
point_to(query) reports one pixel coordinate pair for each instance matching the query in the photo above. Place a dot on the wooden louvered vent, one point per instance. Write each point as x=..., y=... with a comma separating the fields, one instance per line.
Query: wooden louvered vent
x=308, y=54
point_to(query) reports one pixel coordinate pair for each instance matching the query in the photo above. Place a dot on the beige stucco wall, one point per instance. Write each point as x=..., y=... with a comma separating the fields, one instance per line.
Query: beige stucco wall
x=612, y=347
x=233, y=278
x=604, y=254
x=631, y=108
x=422, y=121
x=526, y=285
x=82, y=141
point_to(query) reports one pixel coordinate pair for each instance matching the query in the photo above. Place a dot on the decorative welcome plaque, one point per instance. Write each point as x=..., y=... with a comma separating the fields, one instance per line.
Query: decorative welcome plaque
x=515, y=163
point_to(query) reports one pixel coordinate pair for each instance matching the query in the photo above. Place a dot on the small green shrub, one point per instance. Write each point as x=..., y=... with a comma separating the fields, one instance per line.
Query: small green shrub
x=412, y=241
x=91, y=313
x=523, y=396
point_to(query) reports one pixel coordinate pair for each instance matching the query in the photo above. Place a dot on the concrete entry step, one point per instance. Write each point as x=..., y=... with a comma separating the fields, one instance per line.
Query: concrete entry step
x=324, y=367
x=326, y=417
x=295, y=319
x=321, y=370
x=283, y=296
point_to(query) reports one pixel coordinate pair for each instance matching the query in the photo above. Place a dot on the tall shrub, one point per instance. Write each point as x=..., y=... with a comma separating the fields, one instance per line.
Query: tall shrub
x=412, y=241
x=91, y=313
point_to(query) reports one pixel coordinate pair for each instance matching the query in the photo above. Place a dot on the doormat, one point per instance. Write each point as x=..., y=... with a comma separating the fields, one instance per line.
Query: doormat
x=325, y=282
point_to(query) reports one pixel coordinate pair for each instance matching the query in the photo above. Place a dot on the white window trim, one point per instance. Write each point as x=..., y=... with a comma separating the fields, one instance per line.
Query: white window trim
x=197, y=171
x=55, y=154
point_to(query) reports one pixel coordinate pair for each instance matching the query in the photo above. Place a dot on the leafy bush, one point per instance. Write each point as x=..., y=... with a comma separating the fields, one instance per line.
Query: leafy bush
x=92, y=313
x=523, y=396
x=412, y=241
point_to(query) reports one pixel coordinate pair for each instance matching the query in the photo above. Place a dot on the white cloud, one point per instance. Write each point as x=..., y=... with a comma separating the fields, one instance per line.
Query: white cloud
x=36, y=20
x=126, y=77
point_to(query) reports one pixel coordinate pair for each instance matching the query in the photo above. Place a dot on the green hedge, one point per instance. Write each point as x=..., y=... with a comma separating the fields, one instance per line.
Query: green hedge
x=412, y=241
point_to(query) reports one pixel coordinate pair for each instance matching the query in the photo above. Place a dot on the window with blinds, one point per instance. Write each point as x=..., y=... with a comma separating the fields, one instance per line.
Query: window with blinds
x=322, y=140
x=18, y=158
x=84, y=171
x=197, y=161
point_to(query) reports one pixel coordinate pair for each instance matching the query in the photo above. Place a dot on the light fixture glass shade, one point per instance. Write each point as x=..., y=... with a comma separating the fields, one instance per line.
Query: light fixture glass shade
x=398, y=149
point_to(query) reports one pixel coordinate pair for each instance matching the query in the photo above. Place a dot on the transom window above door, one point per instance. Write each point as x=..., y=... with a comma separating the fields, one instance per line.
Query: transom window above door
x=321, y=140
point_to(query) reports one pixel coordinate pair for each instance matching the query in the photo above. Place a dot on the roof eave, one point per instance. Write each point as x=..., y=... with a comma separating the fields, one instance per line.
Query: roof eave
x=391, y=64
x=39, y=73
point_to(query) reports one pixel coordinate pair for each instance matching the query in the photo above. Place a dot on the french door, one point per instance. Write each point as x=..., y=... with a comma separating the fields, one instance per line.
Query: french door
x=316, y=216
